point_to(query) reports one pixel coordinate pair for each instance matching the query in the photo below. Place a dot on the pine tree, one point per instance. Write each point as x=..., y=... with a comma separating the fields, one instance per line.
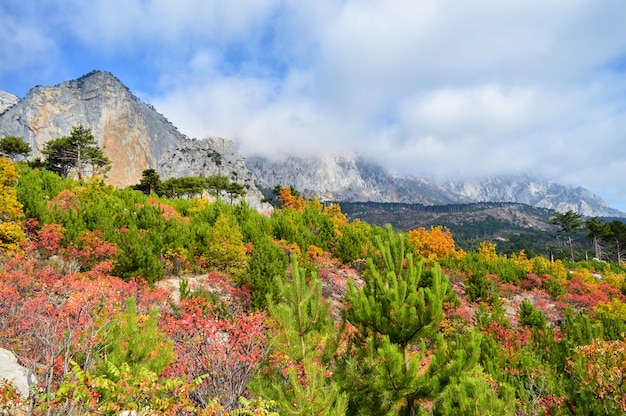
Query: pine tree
x=472, y=393
x=137, y=258
x=568, y=224
x=303, y=336
x=150, y=182
x=75, y=152
x=397, y=314
x=13, y=147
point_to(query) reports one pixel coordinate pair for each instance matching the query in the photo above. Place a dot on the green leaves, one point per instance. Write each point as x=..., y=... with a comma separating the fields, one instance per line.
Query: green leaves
x=77, y=152
x=12, y=147
x=396, y=313
x=392, y=302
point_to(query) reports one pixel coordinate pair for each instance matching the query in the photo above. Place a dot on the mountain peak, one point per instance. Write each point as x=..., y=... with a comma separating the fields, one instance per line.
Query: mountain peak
x=7, y=101
x=132, y=134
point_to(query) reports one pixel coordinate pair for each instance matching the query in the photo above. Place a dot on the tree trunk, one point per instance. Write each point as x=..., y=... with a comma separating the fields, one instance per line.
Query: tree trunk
x=410, y=405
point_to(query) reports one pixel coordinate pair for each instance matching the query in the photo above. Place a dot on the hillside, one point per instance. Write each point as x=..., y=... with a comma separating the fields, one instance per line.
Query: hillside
x=119, y=301
x=135, y=137
x=512, y=226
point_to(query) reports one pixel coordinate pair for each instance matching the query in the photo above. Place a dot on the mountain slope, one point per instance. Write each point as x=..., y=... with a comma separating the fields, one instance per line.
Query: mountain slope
x=352, y=178
x=132, y=133
x=7, y=100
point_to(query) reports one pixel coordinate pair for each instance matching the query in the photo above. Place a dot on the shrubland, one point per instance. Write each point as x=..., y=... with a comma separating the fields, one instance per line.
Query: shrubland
x=126, y=300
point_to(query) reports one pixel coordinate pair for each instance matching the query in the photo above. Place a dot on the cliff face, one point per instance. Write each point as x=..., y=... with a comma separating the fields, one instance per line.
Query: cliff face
x=211, y=156
x=353, y=179
x=7, y=100
x=336, y=177
x=132, y=134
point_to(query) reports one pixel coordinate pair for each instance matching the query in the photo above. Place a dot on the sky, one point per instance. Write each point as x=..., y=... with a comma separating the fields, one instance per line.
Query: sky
x=445, y=88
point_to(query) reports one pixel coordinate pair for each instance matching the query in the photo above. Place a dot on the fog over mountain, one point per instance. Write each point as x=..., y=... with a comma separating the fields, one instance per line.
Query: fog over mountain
x=137, y=137
x=349, y=177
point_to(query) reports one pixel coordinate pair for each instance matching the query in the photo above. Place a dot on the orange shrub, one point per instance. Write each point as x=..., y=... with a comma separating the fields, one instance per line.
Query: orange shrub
x=435, y=243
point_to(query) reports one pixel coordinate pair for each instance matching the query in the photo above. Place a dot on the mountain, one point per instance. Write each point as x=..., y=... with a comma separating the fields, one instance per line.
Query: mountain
x=136, y=137
x=7, y=100
x=132, y=133
x=352, y=178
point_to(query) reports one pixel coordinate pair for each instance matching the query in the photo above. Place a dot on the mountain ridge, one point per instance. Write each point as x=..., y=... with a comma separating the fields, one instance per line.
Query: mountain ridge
x=136, y=137
x=354, y=178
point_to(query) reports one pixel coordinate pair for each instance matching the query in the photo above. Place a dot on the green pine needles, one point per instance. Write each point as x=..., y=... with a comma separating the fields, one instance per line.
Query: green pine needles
x=397, y=359
x=303, y=347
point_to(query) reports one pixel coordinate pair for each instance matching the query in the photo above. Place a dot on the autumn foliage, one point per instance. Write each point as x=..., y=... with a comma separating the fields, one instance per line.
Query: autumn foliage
x=117, y=301
x=436, y=243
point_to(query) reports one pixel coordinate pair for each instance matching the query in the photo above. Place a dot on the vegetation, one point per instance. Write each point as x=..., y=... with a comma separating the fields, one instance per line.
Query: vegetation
x=14, y=147
x=161, y=303
x=75, y=153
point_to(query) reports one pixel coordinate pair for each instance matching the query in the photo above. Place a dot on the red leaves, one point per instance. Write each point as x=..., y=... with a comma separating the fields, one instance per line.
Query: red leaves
x=91, y=249
x=48, y=240
x=583, y=295
x=227, y=350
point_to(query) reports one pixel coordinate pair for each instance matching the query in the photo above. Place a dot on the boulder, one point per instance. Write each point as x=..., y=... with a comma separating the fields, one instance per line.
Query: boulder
x=12, y=372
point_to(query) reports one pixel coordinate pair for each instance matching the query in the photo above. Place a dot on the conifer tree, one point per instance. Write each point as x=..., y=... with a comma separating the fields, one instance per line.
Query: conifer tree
x=13, y=147
x=397, y=314
x=137, y=258
x=75, y=152
x=303, y=338
x=150, y=182
x=568, y=224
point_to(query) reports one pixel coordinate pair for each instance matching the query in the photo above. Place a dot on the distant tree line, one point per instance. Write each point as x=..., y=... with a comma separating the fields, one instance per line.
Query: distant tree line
x=188, y=186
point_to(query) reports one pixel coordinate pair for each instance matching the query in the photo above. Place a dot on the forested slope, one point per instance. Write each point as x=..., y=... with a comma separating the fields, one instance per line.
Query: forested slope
x=118, y=301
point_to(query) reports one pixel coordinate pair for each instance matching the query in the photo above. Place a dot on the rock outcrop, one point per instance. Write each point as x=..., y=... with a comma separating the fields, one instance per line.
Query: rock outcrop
x=7, y=101
x=11, y=372
x=212, y=156
x=134, y=136
x=132, y=133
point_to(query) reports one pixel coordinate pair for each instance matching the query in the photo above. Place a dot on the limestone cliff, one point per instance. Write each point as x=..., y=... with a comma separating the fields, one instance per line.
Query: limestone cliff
x=134, y=136
x=211, y=156
x=7, y=101
x=132, y=133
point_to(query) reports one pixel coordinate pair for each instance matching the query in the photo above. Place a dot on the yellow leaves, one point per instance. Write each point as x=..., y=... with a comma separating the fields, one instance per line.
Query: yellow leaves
x=339, y=219
x=615, y=309
x=435, y=243
x=314, y=252
x=226, y=251
x=10, y=208
x=8, y=174
x=11, y=212
x=487, y=251
x=288, y=200
x=11, y=234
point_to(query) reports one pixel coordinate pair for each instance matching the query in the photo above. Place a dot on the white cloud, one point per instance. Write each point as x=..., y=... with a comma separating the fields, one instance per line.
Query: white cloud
x=432, y=86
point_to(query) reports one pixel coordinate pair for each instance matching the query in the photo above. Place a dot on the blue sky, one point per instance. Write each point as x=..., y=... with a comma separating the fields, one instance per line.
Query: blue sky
x=438, y=87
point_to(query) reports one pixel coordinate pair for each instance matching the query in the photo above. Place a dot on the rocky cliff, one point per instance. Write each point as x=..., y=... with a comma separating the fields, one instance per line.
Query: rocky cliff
x=352, y=178
x=132, y=133
x=7, y=100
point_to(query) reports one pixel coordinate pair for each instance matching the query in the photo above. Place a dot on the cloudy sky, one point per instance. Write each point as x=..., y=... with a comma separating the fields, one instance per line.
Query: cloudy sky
x=438, y=87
